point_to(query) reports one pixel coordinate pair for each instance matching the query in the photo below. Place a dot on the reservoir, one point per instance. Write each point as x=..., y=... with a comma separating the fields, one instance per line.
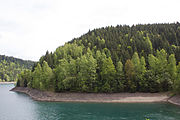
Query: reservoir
x=18, y=106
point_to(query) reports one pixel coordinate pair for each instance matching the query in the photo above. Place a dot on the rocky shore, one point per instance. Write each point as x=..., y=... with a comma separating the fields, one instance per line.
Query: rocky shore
x=98, y=97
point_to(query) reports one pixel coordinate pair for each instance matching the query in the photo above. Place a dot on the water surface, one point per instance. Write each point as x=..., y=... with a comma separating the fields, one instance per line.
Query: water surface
x=18, y=106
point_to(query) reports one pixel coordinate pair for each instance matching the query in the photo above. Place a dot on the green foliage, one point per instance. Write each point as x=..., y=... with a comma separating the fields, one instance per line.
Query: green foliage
x=87, y=73
x=47, y=75
x=108, y=73
x=37, y=77
x=142, y=84
x=140, y=58
x=159, y=71
x=24, y=79
x=10, y=67
x=130, y=76
x=120, y=77
x=27, y=64
x=148, y=45
x=176, y=86
x=172, y=69
x=41, y=78
x=61, y=72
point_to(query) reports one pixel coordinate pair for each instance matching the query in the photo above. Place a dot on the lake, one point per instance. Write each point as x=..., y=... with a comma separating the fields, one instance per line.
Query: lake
x=18, y=106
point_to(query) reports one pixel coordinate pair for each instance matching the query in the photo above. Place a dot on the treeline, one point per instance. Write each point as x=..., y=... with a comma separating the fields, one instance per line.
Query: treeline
x=96, y=72
x=10, y=68
x=141, y=58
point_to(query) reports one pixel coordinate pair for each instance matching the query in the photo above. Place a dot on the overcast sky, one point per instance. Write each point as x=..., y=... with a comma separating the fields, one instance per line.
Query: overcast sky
x=28, y=28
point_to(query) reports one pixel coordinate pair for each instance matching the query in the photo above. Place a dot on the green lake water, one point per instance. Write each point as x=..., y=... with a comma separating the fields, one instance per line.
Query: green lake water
x=18, y=106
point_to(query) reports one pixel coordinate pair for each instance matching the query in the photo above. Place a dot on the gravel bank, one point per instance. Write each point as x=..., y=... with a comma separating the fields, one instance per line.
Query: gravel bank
x=94, y=97
x=175, y=100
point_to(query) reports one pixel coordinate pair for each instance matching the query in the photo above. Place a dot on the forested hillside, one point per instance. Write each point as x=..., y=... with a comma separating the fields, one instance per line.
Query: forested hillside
x=10, y=67
x=142, y=58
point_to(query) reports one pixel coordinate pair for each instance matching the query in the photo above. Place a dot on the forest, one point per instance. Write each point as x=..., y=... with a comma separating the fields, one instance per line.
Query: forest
x=137, y=58
x=10, y=67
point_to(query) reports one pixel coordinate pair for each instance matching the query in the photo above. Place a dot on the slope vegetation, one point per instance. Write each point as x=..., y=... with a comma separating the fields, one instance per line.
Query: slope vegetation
x=141, y=58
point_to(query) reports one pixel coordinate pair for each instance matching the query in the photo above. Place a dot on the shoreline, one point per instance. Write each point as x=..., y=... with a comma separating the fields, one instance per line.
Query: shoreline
x=175, y=100
x=7, y=82
x=98, y=97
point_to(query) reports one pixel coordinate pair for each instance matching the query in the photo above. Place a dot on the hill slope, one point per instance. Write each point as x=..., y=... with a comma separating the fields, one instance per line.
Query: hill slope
x=123, y=41
x=113, y=59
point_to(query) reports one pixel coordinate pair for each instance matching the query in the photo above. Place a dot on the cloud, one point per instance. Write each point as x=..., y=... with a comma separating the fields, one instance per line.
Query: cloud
x=30, y=27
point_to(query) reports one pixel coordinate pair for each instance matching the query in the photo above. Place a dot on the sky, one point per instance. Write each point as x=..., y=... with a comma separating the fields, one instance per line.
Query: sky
x=28, y=28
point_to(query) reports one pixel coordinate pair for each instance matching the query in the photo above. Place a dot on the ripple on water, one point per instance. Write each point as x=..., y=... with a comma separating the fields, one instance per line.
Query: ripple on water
x=15, y=106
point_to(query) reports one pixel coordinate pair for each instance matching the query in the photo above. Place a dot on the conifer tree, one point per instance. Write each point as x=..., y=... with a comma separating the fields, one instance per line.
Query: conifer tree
x=176, y=86
x=61, y=74
x=120, y=77
x=172, y=69
x=37, y=76
x=47, y=75
x=130, y=76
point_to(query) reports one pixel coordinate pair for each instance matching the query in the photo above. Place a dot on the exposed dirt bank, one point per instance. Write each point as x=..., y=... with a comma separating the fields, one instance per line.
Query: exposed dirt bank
x=94, y=97
x=175, y=100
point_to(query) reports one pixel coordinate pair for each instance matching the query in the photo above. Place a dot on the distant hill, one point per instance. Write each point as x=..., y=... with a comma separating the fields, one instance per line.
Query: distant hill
x=10, y=67
x=26, y=63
